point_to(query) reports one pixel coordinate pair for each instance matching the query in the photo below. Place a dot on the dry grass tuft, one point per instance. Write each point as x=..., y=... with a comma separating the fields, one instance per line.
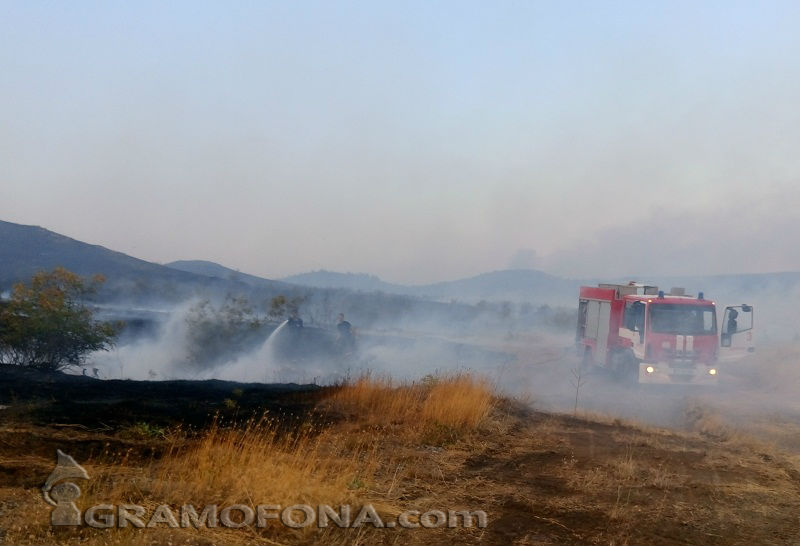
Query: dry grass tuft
x=458, y=401
x=260, y=461
x=707, y=422
x=661, y=478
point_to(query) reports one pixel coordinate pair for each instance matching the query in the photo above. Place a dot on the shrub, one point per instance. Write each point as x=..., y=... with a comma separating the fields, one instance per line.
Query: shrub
x=46, y=324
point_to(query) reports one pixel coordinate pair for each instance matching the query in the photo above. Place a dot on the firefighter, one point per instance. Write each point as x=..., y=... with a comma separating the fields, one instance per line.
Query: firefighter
x=732, y=324
x=294, y=320
x=345, y=339
x=290, y=345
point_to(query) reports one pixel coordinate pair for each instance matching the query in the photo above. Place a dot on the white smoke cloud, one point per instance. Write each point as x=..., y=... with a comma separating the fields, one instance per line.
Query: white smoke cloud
x=524, y=258
x=731, y=237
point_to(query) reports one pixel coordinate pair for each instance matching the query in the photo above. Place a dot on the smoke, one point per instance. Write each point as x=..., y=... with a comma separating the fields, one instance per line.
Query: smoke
x=282, y=354
x=729, y=237
x=168, y=355
x=756, y=397
x=523, y=359
x=524, y=258
x=146, y=357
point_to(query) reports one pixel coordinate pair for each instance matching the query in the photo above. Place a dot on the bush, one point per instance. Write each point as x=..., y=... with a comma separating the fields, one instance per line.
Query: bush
x=216, y=333
x=45, y=324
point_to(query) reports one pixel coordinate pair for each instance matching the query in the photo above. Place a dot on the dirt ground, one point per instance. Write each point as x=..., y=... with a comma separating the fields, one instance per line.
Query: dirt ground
x=542, y=477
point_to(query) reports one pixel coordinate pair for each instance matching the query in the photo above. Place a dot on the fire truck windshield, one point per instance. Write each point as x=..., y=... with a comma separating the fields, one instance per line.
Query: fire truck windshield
x=671, y=318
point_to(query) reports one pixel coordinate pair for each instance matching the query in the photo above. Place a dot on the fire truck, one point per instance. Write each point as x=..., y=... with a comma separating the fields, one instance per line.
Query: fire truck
x=642, y=335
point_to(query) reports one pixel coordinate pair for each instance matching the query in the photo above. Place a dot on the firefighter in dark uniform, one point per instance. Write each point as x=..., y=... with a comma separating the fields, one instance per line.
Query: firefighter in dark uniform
x=345, y=340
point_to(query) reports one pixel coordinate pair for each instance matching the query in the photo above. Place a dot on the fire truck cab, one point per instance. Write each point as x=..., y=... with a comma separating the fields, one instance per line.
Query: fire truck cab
x=643, y=335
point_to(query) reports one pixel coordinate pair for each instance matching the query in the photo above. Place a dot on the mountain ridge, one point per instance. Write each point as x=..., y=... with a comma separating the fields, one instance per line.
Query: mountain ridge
x=27, y=249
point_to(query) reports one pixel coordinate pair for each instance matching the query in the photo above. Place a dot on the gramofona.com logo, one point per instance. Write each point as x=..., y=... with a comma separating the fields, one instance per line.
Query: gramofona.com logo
x=62, y=494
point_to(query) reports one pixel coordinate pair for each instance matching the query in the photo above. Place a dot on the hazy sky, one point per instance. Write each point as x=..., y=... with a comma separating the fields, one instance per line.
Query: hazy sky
x=419, y=141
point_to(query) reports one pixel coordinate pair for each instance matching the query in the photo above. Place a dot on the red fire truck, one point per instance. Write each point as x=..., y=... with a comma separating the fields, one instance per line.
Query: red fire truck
x=642, y=335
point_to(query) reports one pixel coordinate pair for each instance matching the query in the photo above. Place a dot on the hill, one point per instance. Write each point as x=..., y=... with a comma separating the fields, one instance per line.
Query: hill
x=538, y=287
x=510, y=284
x=361, y=282
x=25, y=250
x=513, y=284
x=28, y=249
x=132, y=282
x=215, y=270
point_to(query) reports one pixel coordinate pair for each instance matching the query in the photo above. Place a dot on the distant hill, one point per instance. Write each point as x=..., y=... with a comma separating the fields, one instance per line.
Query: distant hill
x=362, y=282
x=212, y=269
x=28, y=249
x=515, y=284
x=510, y=284
x=25, y=250
x=542, y=288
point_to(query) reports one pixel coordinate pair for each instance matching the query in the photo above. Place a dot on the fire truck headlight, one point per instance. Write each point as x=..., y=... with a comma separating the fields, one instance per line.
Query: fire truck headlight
x=649, y=369
x=712, y=371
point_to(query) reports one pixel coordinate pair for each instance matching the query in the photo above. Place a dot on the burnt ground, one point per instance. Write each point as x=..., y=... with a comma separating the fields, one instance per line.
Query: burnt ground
x=45, y=398
x=542, y=478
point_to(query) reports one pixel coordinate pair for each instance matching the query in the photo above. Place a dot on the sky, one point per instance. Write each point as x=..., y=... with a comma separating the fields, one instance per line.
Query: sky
x=419, y=141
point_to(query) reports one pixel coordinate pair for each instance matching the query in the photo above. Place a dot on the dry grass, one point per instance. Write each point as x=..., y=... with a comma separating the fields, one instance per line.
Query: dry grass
x=459, y=401
x=261, y=462
x=257, y=463
x=542, y=478
x=626, y=468
x=257, y=460
x=661, y=477
x=450, y=403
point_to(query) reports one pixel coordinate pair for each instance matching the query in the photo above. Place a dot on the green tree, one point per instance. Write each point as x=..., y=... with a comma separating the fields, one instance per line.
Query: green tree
x=46, y=324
